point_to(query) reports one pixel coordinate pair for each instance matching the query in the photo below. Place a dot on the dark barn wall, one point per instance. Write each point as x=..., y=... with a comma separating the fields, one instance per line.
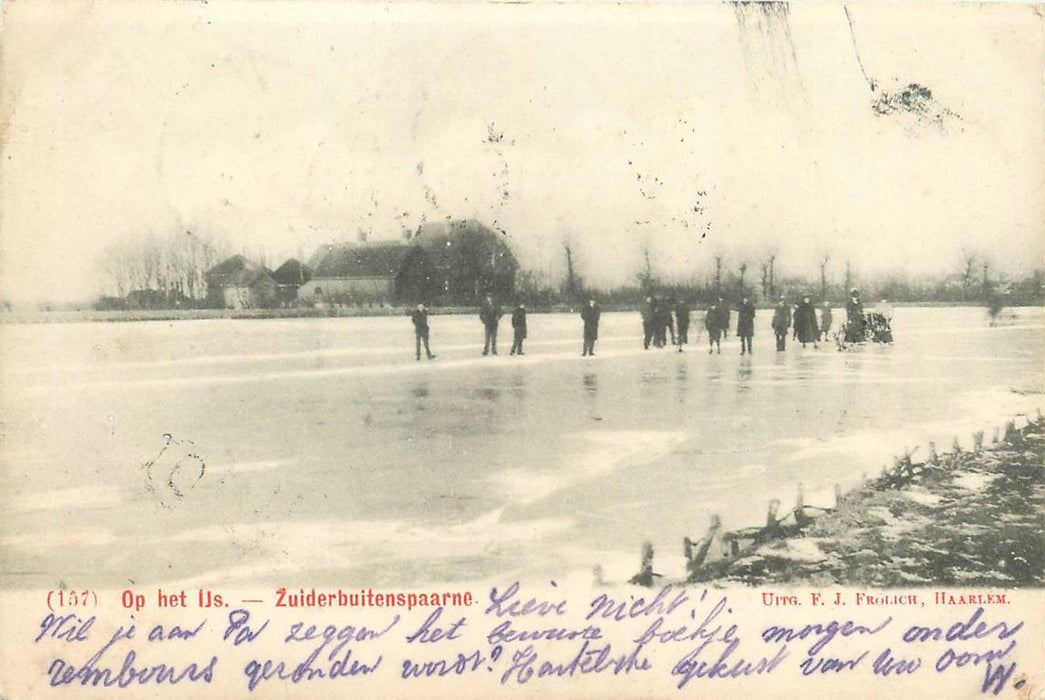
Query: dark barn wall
x=416, y=280
x=470, y=261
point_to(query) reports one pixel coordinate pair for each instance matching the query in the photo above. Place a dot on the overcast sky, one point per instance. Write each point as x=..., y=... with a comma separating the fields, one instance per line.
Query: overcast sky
x=688, y=130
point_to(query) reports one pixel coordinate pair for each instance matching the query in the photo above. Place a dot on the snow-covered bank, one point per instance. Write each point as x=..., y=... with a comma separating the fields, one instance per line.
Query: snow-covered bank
x=966, y=518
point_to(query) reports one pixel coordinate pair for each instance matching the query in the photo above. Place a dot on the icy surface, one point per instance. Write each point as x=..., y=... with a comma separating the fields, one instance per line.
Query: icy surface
x=318, y=452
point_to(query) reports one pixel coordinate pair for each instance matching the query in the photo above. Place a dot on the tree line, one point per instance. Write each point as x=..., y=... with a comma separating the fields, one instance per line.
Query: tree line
x=973, y=279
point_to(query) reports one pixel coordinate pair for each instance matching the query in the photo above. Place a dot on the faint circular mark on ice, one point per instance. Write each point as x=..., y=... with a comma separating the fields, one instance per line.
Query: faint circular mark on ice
x=174, y=471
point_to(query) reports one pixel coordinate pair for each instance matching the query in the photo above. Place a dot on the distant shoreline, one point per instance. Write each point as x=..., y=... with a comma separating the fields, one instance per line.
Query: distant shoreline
x=125, y=316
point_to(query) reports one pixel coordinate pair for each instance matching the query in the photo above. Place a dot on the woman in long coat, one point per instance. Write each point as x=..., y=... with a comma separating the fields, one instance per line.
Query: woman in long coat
x=805, y=323
x=854, y=318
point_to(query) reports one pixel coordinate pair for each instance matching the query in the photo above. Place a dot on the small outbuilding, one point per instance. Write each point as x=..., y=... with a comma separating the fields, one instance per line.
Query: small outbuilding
x=289, y=277
x=238, y=283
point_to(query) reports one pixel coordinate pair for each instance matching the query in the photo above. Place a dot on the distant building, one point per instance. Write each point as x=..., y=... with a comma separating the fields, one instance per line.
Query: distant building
x=360, y=273
x=289, y=277
x=469, y=261
x=238, y=283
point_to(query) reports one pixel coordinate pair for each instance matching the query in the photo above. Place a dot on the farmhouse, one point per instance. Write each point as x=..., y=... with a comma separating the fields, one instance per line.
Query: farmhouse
x=359, y=273
x=469, y=261
x=238, y=283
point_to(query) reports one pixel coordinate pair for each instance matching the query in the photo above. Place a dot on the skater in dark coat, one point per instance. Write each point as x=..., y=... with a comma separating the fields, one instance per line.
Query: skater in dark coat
x=590, y=315
x=490, y=314
x=745, y=324
x=854, y=318
x=781, y=323
x=669, y=318
x=420, y=318
x=660, y=324
x=647, y=323
x=713, y=324
x=805, y=323
x=682, y=322
x=518, y=329
x=723, y=313
x=825, y=320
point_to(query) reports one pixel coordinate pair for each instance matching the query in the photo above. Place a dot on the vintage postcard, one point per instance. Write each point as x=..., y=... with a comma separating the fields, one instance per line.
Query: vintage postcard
x=539, y=350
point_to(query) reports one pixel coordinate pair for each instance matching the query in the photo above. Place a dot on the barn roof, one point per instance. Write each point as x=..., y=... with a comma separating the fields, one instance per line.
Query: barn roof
x=451, y=228
x=361, y=259
x=440, y=238
x=293, y=271
x=237, y=271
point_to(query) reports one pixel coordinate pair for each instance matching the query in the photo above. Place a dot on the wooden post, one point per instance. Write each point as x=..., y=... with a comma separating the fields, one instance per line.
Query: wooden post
x=645, y=575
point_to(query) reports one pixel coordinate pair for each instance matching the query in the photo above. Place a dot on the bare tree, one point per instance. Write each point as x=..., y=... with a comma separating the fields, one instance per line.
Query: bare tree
x=175, y=264
x=742, y=269
x=968, y=264
x=848, y=276
x=825, y=258
x=768, y=265
x=573, y=282
x=719, y=257
x=647, y=279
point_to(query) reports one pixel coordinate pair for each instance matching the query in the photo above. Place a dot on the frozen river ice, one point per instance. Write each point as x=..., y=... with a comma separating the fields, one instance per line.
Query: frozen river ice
x=318, y=452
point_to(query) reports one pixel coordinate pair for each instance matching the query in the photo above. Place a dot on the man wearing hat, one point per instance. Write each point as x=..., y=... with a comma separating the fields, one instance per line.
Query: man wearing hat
x=590, y=315
x=745, y=324
x=420, y=318
x=781, y=323
x=518, y=329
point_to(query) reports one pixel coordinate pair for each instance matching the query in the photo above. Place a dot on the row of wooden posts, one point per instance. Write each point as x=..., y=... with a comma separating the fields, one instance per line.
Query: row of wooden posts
x=902, y=472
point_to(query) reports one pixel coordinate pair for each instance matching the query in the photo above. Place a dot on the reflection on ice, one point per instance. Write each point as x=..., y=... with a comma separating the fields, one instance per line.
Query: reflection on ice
x=331, y=455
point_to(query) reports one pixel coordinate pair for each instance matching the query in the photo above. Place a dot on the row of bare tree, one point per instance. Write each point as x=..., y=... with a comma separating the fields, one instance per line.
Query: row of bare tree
x=971, y=280
x=175, y=264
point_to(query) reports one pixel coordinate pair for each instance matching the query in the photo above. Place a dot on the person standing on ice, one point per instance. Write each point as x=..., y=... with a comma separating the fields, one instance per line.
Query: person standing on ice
x=682, y=322
x=490, y=314
x=518, y=329
x=854, y=318
x=647, y=322
x=745, y=324
x=825, y=320
x=660, y=326
x=723, y=316
x=420, y=318
x=713, y=324
x=669, y=317
x=590, y=315
x=781, y=323
x=805, y=323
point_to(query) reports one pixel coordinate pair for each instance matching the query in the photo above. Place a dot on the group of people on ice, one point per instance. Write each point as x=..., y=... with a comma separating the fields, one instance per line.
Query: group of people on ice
x=801, y=322
x=665, y=319
x=490, y=315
